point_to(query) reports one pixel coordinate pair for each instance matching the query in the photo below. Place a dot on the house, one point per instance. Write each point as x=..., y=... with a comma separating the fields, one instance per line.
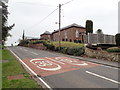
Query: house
x=46, y=36
x=71, y=33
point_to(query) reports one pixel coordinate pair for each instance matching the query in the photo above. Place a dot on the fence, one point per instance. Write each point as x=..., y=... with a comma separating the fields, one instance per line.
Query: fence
x=99, y=39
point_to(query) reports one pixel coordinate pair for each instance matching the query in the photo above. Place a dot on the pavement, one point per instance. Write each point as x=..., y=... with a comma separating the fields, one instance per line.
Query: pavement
x=99, y=61
x=57, y=70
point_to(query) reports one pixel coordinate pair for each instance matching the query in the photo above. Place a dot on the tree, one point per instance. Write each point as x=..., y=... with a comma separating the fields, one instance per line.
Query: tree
x=89, y=26
x=5, y=27
x=117, y=39
x=99, y=31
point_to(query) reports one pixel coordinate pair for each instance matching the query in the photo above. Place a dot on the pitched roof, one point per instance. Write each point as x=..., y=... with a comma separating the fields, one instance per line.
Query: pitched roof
x=69, y=26
x=46, y=33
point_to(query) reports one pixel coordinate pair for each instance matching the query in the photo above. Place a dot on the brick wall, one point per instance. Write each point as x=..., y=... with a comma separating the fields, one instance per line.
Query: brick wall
x=69, y=34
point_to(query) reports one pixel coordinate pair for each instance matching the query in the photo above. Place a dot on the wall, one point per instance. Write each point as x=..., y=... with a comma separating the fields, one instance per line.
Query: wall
x=99, y=39
x=46, y=37
x=71, y=34
x=100, y=54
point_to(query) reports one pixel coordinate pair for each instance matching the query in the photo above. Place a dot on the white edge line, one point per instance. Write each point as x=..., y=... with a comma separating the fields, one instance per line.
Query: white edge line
x=31, y=70
x=102, y=77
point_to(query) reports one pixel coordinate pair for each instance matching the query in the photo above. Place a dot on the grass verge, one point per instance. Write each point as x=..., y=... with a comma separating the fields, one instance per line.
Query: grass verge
x=67, y=44
x=13, y=67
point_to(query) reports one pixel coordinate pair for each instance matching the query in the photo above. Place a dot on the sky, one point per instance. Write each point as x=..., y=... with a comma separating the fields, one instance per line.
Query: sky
x=30, y=16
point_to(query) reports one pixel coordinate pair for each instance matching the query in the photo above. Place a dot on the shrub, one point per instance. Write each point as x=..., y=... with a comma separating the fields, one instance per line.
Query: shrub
x=63, y=49
x=77, y=51
x=49, y=46
x=113, y=49
x=23, y=42
x=117, y=38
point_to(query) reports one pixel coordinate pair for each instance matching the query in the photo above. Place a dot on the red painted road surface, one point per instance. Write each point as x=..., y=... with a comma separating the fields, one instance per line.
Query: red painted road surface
x=55, y=65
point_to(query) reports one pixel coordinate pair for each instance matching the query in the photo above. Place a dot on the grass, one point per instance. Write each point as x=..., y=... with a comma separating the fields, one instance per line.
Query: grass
x=13, y=67
x=68, y=44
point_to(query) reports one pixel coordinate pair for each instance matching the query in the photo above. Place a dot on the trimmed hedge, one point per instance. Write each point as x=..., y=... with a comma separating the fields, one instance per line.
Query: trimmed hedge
x=113, y=49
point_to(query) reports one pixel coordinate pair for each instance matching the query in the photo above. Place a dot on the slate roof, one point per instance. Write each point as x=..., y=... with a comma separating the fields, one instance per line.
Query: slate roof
x=69, y=26
x=46, y=33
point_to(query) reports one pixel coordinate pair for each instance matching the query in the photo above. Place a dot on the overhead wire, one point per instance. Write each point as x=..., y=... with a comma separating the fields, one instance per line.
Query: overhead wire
x=48, y=14
x=43, y=19
x=67, y=2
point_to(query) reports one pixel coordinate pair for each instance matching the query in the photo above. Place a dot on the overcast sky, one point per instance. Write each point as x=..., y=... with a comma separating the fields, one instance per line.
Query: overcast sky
x=27, y=15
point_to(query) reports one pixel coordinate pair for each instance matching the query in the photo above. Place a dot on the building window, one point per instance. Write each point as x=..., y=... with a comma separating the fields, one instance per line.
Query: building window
x=66, y=39
x=77, y=33
x=65, y=35
x=63, y=40
x=70, y=40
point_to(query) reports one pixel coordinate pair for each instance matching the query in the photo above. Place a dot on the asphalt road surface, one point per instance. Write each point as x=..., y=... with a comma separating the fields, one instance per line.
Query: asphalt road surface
x=57, y=70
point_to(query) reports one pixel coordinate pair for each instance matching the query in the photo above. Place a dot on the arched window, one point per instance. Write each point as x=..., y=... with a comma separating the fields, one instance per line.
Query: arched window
x=65, y=34
x=77, y=33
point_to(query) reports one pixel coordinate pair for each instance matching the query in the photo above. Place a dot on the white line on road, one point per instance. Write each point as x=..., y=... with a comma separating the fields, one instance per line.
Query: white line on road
x=31, y=70
x=34, y=53
x=102, y=77
x=54, y=60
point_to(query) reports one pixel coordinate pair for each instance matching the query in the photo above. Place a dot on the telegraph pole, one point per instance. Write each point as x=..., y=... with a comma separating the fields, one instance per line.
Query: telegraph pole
x=59, y=25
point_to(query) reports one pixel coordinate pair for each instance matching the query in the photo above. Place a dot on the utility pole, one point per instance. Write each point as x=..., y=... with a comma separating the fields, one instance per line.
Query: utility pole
x=59, y=25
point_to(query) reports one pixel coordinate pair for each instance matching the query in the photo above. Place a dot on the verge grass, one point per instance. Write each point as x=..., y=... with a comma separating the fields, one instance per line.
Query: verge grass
x=67, y=44
x=13, y=67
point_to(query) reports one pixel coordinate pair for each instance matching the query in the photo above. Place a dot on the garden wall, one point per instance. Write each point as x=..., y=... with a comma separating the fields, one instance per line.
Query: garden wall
x=100, y=54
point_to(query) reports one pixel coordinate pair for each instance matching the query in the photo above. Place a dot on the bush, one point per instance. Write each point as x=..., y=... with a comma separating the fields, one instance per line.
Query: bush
x=23, y=42
x=117, y=38
x=63, y=49
x=49, y=46
x=113, y=49
x=77, y=51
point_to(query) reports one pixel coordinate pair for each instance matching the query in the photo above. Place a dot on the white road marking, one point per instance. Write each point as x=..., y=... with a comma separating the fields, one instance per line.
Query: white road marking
x=102, y=77
x=110, y=67
x=34, y=53
x=31, y=70
x=42, y=63
x=54, y=60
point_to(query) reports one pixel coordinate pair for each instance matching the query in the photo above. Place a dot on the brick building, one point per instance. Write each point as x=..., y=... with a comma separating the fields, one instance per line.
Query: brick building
x=46, y=36
x=71, y=33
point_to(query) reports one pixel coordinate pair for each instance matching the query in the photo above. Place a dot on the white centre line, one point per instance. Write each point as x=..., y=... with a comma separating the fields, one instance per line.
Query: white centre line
x=102, y=77
x=34, y=53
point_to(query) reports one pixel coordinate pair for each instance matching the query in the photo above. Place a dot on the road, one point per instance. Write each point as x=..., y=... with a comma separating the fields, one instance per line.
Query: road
x=57, y=70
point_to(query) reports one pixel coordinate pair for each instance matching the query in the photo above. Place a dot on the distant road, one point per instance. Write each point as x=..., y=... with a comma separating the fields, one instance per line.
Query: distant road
x=57, y=70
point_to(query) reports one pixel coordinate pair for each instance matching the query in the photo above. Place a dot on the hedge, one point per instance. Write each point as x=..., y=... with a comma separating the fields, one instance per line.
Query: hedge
x=113, y=49
x=76, y=51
